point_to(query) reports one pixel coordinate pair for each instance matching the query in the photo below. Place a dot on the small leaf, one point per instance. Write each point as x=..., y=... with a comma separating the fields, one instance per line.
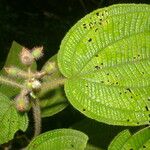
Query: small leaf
x=119, y=140
x=124, y=140
x=60, y=139
x=13, y=60
x=138, y=140
x=106, y=58
x=53, y=102
x=10, y=119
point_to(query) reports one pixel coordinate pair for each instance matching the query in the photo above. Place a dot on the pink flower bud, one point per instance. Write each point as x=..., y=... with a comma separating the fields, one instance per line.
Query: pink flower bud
x=26, y=57
x=22, y=103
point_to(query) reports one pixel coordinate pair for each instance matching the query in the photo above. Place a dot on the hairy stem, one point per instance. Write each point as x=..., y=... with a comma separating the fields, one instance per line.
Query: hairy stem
x=37, y=116
x=7, y=81
x=51, y=85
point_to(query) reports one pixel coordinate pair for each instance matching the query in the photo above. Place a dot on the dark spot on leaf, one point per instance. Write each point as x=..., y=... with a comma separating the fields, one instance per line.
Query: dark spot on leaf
x=134, y=57
x=131, y=96
x=102, y=81
x=83, y=109
x=94, y=22
x=138, y=55
x=116, y=82
x=146, y=108
x=131, y=149
x=89, y=40
x=72, y=145
x=128, y=90
x=120, y=93
x=84, y=25
x=100, y=19
x=137, y=122
x=148, y=99
x=97, y=14
x=96, y=55
x=90, y=24
x=87, y=86
x=97, y=67
x=128, y=120
x=96, y=29
x=107, y=73
x=149, y=115
x=108, y=81
x=125, y=92
x=144, y=146
x=101, y=63
x=142, y=72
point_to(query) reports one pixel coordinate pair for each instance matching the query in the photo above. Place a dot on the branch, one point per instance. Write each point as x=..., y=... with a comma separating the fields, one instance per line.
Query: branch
x=37, y=116
x=10, y=82
x=51, y=85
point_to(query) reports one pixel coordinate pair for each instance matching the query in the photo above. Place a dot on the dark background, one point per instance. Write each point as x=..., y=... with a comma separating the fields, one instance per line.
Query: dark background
x=45, y=22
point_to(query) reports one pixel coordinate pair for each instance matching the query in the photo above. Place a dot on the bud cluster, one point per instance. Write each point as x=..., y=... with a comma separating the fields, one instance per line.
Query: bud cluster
x=27, y=57
x=32, y=80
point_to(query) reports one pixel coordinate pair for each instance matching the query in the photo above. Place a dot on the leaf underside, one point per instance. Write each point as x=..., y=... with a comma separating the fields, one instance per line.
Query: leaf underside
x=60, y=139
x=10, y=120
x=53, y=104
x=126, y=141
x=106, y=58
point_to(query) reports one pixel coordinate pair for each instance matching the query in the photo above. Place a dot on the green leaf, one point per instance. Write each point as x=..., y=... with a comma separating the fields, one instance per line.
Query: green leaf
x=52, y=101
x=60, y=139
x=119, y=140
x=106, y=58
x=10, y=119
x=124, y=141
x=13, y=60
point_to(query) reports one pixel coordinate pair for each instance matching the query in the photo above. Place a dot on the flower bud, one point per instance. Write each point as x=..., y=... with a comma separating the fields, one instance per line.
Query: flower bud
x=33, y=84
x=26, y=57
x=22, y=103
x=11, y=71
x=50, y=67
x=37, y=52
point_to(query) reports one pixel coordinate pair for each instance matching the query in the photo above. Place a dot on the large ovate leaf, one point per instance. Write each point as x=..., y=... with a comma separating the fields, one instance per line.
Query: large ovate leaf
x=52, y=101
x=60, y=139
x=138, y=141
x=13, y=60
x=106, y=58
x=10, y=119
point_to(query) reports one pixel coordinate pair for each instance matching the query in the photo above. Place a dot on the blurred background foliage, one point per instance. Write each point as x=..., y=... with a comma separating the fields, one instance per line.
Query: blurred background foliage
x=45, y=22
